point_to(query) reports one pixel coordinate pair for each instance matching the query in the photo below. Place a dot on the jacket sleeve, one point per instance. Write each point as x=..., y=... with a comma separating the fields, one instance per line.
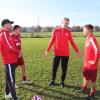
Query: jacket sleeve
x=71, y=40
x=99, y=53
x=6, y=43
x=96, y=48
x=51, y=41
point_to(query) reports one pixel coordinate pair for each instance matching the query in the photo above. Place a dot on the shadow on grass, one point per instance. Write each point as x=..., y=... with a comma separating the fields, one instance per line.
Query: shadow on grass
x=50, y=93
x=97, y=94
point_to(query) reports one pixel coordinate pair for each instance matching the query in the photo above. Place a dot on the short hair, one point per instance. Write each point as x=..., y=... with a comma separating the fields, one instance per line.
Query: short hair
x=15, y=27
x=89, y=26
x=66, y=19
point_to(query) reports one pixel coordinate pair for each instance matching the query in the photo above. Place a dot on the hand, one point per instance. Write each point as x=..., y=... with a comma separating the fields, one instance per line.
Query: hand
x=17, y=44
x=78, y=54
x=91, y=62
x=46, y=55
x=20, y=54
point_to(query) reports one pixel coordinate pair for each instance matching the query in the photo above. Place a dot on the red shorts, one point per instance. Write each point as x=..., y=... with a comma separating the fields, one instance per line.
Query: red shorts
x=90, y=74
x=20, y=61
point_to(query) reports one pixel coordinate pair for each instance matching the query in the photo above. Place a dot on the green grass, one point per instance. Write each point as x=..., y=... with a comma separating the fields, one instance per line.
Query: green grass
x=48, y=34
x=39, y=71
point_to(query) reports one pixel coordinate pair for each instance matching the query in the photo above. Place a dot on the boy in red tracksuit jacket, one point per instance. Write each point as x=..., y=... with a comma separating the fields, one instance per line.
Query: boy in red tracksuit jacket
x=90, y=66
x=60, y=39
x=9, y=58
x=16, y=39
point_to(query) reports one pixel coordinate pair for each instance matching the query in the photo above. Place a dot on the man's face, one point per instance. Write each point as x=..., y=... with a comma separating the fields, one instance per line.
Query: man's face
x=65, y=23
x=8, y=26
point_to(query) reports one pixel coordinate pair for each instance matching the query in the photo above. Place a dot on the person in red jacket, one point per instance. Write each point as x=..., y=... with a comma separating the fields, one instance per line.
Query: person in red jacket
x=60, y=39
x=9, y=58
x=16, y=38
x=90, y=66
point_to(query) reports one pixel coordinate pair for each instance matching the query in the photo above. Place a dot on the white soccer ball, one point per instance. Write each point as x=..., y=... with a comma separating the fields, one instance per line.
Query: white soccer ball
x=36, y=98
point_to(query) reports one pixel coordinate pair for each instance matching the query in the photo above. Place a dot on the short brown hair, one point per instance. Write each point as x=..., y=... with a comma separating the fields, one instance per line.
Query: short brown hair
x=89, y=26
x=15, y=27
x=66, y=19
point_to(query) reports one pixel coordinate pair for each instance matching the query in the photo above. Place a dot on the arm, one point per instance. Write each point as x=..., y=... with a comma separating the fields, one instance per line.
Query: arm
x=50, y=44
x=51, y=41
x=7, y=45
x=96, y=48
x=73, y=44
x=99, y=53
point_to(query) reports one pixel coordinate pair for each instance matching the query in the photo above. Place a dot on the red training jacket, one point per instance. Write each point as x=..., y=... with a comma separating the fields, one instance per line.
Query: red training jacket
x=8, y=53
x=61, y=38
x=17, y=41
x=91, y=52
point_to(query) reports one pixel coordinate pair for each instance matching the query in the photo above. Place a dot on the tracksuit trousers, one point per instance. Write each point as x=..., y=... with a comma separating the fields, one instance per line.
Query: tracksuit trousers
x=10, y=80
x=64, y=64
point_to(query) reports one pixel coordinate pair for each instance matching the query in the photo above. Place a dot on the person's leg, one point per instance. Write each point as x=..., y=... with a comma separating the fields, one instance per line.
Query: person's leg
x=23, y=72
x=7, y=88
x=92, y=92
x=86, y=79
x=7, y=85
x=93, y=83
x=20, y=62
x=93, y=89
x=11, y=79
x=93, y=86
x=64, y=65
x=55, y=65
x=85, y=84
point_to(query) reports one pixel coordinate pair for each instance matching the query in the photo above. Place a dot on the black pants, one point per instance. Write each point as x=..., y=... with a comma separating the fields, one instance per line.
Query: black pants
x=64, y=64
x=10, y=80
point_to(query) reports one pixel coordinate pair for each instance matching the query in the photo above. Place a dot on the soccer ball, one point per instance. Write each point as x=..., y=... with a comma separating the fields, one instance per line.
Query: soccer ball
x=36, y=98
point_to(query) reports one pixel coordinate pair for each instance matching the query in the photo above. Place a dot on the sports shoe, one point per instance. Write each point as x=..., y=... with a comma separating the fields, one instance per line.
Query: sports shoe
x=9, y=96
x=16, y=86
x=27, y=82
x=52, y=83
x=80, y=91
x=36, y=98
x=90, y=98
x=62, y=84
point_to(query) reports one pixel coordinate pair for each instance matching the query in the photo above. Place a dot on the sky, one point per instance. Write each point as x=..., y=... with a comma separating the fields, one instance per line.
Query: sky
x=50, y=12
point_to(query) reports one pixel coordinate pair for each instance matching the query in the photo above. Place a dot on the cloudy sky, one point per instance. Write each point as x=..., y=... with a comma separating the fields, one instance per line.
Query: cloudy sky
x=50, y=12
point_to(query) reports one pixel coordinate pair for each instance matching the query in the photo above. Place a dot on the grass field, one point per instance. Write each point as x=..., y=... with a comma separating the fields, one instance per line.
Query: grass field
x=48, y=34
x=39, y=71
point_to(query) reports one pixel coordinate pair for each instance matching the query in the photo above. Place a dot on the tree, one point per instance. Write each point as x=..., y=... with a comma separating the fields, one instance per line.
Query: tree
x=96, y=28
x=76, y=28
x=24, y=29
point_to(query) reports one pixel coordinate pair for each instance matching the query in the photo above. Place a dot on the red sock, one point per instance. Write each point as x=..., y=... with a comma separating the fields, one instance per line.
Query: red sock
x=84, y=88
x=92, y=93
x=24, y=78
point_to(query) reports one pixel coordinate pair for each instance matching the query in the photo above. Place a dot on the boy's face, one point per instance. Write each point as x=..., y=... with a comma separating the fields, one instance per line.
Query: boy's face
x=18, y=31
x=86, y=31
x=65, y=23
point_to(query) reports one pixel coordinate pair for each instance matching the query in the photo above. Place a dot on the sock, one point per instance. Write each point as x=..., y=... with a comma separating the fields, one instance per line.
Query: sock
x=24, y=78
x=92, y=93
x=84, y=88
